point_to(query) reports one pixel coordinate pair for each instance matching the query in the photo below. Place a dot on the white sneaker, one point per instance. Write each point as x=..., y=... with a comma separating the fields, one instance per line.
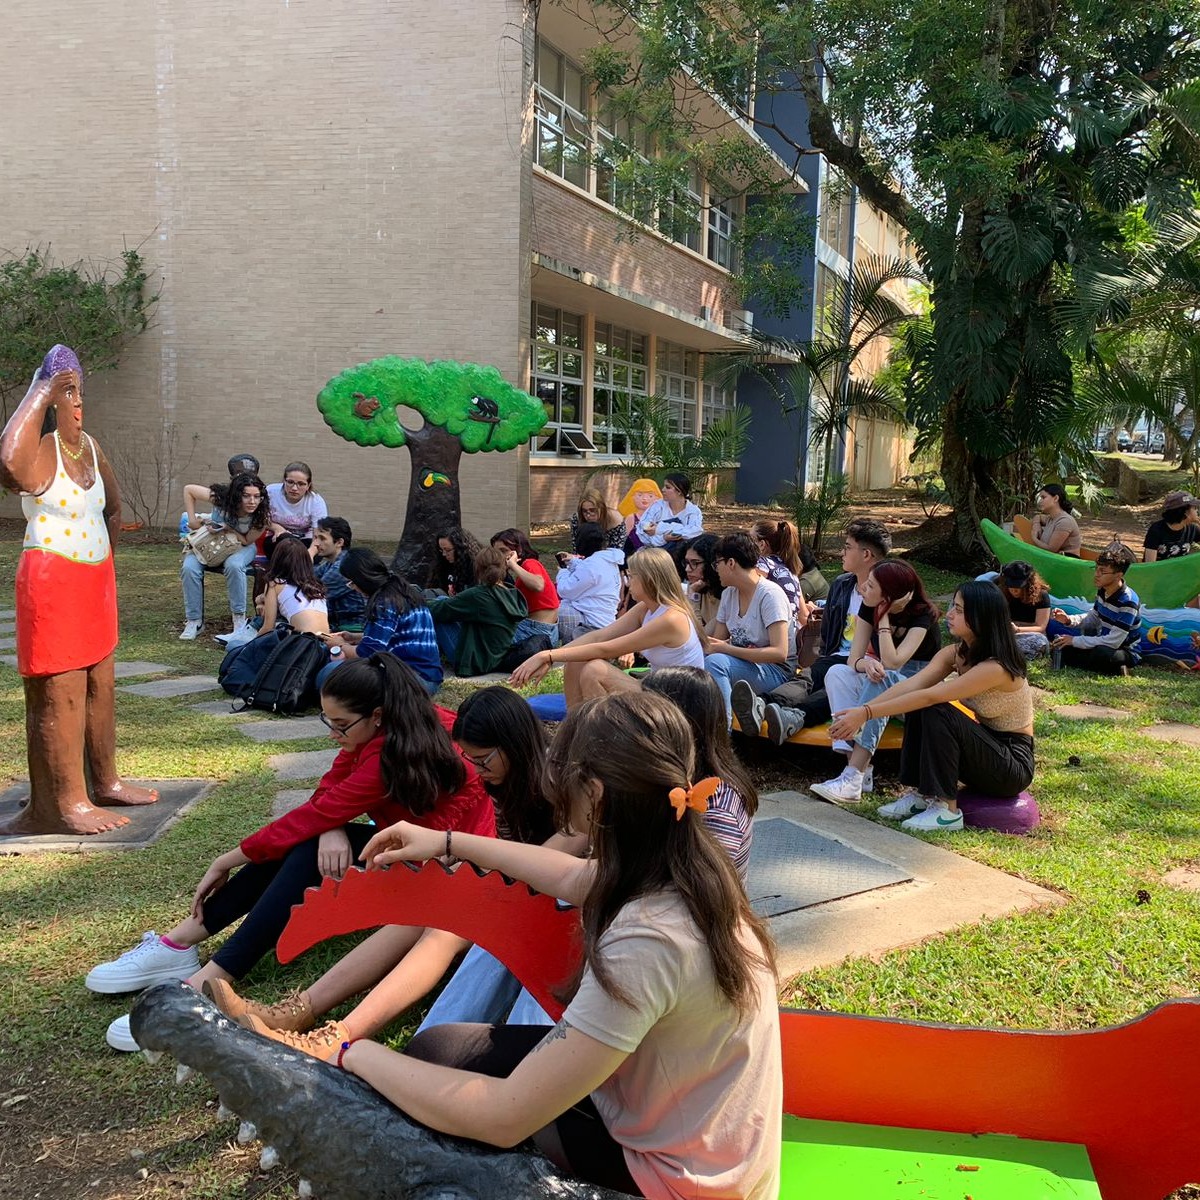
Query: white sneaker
x=148, y=963
x=845, y=789
x=937, y=818
x=868, y=780
x=119, y=1037
x=911, y=802
x=191, y=630
x=748, y=706
x=239, y=622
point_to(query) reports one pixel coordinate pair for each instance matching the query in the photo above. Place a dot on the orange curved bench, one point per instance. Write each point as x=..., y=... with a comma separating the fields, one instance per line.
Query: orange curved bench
x=818, y=735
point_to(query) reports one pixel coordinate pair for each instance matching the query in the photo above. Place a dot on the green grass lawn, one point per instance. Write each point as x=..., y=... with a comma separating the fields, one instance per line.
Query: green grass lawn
x=1116, y=823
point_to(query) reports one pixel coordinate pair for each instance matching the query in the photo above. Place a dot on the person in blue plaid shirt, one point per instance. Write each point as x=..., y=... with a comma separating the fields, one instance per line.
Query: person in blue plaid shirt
x=331, y=540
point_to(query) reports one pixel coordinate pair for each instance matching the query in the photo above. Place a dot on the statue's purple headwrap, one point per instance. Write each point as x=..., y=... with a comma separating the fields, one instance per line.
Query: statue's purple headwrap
x=60, y=358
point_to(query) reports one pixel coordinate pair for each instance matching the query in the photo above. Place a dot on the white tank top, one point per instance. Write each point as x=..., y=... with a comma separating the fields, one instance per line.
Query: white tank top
x=68, y=519
x=690, y=654
x=291, y=600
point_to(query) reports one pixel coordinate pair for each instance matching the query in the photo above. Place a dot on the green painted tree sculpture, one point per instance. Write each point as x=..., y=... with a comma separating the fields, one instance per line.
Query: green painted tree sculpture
x=465, y=407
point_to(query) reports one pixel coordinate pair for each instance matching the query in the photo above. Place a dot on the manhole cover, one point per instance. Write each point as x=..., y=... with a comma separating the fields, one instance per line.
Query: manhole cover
x=793, y=867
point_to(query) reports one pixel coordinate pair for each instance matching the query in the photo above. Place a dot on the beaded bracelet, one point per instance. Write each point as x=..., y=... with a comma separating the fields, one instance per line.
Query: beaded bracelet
x=342, y=1052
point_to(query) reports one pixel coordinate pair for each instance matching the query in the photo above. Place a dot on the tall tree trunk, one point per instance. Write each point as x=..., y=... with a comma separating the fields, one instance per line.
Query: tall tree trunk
x=434, y=505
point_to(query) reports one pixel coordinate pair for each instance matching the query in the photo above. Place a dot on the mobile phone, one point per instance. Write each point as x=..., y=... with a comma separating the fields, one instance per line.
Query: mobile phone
x=563, y=558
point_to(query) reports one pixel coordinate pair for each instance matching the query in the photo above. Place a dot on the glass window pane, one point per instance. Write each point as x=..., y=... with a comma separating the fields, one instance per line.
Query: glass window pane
x=574, y=91
x=601, y=404
x=572, y=327
x=637, y=378
x=548, y=63
x=546, y=324
x=620, y=375
x=547, y=361
x=572, y=366
x=572, y=404
x=599, y=369
x=637, y=348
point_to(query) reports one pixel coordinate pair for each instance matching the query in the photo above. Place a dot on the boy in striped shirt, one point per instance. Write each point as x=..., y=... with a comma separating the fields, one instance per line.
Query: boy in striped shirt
x=1108, y=634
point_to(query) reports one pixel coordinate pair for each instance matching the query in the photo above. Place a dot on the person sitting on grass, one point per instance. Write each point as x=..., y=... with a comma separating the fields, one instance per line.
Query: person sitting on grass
x=346, y=606
x=395, y=759
x=1104, y=639
x=593, y=510
x=990, y=753
x=1055, y=528
x=664, y=1075
x=1028, y=597
x=800, y=701
x=589, y=584
x=754, y=637
x=498, y=734
x=453, y=567
x=533, y=582
x=294, y=593
x=397, y=621
x=897, y=635
x=701, y=583
x=660, y=627
x=475, y=626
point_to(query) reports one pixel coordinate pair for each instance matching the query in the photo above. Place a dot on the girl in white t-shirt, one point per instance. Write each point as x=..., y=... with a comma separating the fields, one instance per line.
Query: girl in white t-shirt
x=295, y=507
x=663, y=1078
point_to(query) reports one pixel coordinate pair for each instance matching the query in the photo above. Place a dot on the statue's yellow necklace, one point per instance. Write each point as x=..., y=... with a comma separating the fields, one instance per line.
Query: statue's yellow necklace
x=73, y=455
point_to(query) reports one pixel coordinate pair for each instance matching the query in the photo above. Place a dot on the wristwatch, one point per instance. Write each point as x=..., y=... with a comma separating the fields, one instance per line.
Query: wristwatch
x=335, y=652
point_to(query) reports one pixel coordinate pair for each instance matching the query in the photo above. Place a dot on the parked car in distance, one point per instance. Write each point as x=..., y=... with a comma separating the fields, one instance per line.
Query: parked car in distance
x=1124, y=441
x=1158, y=440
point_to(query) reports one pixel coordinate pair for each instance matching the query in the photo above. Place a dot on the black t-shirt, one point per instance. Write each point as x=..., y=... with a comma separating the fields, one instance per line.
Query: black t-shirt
x=1022, y=613
x=901, y=623
x=1170, y=543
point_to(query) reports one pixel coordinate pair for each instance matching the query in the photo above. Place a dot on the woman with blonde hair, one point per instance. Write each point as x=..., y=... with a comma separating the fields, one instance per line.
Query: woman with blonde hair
x=593, y=509
x=660, y=626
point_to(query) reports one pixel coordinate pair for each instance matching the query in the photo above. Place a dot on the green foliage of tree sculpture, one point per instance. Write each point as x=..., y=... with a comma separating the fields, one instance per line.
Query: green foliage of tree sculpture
x=464, y=406
x=1008, y=137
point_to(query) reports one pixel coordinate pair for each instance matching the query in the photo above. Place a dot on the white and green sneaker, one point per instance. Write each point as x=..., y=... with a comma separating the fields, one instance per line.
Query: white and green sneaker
x=937, y=818
x=896, y=810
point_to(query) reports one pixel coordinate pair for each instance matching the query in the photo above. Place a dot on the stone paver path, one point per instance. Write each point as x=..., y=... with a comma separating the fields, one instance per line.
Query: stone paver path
x=9, y=660
x=1091, y=712
x=8, y=614
x=220, y=708
x=287, y=800
x=8, y=643
x=285, y=729
x=302, y=764
x=1173, y=731
x=127, y=670
x=162, y=689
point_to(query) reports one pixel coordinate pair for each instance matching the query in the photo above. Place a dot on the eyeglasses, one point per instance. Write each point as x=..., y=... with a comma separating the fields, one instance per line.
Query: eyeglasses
x=693, y=564
x=480, y=764
x=295, y=483
x=337, y=730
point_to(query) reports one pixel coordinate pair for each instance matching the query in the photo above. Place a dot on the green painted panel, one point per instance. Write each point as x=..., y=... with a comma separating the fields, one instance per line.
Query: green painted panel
x=828, y=1160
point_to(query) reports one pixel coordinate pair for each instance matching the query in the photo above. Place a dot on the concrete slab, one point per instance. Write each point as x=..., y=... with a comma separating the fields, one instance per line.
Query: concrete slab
x=1174, y=731
x=8, y=643
x=221, y=708
x=287, y=800
x=7, y=627
x=1187, y=878
x=284, y=729
x=482, y=680
x=127, y=670
x=9, y=660
x=945, y=891
x=1091, y=712
x=162, y=689
x=147, y=823
x=302, y=764
x=8, y=614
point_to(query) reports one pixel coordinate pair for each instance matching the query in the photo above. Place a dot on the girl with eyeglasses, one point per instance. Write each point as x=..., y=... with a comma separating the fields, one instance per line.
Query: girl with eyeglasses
x=396, y=760
x=295, y=507
x=498, y=734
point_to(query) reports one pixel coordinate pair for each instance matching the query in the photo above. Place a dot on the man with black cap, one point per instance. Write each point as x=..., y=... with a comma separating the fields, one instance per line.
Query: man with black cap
x=1177, y=532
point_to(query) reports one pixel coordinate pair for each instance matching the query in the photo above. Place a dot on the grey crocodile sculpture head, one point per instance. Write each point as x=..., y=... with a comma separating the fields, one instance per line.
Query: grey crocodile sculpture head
x=342, y=1136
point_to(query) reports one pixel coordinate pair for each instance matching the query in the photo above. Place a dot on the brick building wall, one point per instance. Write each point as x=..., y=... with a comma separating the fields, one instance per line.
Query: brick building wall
x=578, y=231
x=313, y=184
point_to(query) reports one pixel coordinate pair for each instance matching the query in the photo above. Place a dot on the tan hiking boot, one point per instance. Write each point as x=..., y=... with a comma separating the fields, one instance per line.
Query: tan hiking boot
x=323, y=1042
x=293, y=1013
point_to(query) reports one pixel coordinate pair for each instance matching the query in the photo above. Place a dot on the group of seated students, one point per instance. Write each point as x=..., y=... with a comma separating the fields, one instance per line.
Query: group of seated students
x=674, y=1009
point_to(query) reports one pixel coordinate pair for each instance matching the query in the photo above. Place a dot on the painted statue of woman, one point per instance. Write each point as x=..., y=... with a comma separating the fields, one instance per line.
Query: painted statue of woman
x=66, y=608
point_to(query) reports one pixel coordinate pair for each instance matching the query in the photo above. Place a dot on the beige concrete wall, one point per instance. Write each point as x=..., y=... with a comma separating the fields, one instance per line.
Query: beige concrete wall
x=315, y=182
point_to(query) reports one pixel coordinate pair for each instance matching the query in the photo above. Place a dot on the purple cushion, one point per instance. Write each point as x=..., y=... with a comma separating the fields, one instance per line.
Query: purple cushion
x=549, y=707
x=1003, y=814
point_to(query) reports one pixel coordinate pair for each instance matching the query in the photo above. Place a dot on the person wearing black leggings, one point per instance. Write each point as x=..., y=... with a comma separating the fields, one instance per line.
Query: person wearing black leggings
x=989, y=750
x=396, y=760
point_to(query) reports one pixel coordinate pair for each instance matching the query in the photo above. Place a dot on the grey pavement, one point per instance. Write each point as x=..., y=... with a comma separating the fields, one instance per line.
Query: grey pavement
x=185, y=685
x=127, y=670
x=8, y=614
x=1091, y=712
x=944, y=891
x=8, y=643
x=302, y=764
x=1174, y=731
x=284, y=729
x=9, y=660
x=287, y=800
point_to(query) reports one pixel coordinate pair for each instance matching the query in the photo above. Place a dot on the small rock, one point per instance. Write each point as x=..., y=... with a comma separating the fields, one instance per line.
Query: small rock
x=304, y=1190
x=135, y=1153
x=224, y=1112
x=152, y=1056
x=144, y=1173
x=246, y=1133
x=268, y=1160
x=182, y=1074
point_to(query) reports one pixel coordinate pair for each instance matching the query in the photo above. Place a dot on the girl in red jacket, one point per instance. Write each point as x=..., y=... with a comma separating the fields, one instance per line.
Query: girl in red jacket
x=397, y=762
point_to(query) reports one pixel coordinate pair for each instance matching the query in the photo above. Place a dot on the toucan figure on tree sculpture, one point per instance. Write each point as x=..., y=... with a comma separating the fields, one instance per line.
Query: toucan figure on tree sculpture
x=465, y=406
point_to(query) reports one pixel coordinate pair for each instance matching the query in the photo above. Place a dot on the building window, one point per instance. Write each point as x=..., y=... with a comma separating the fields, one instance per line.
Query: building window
x=719, y=402
x=626, y=147
x=556, y=372
x=678, y=382
x=620, y=375
x=723, y=212
x=563, y=130
x=681, y=217
x=834, y=226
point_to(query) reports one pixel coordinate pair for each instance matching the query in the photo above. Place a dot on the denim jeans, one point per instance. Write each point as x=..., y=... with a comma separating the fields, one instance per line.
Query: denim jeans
x=762, y=677
x=448, y=634
x=234, y=568
x=481, y=992
x=847, y=688
x=529, y=627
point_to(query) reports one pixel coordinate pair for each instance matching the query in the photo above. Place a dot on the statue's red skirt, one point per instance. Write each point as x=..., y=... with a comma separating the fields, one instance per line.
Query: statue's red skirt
x=66, y=613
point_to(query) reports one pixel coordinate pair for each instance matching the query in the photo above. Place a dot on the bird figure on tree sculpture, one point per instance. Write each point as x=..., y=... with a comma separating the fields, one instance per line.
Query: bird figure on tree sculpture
x=466, y=408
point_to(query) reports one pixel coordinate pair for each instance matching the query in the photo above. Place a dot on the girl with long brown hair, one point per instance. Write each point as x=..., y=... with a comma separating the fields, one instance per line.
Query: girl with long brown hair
x=675, y=1011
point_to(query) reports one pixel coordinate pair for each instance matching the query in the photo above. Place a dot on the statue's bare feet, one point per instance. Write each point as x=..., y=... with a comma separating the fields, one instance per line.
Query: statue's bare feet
x=122, y=794
x=78, y=817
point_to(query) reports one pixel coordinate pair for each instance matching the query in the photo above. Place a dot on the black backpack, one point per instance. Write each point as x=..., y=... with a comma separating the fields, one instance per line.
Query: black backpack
x=275, y=673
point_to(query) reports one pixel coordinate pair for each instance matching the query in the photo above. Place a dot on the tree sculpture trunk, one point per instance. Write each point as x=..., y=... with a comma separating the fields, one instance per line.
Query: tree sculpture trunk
x=434, y=505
